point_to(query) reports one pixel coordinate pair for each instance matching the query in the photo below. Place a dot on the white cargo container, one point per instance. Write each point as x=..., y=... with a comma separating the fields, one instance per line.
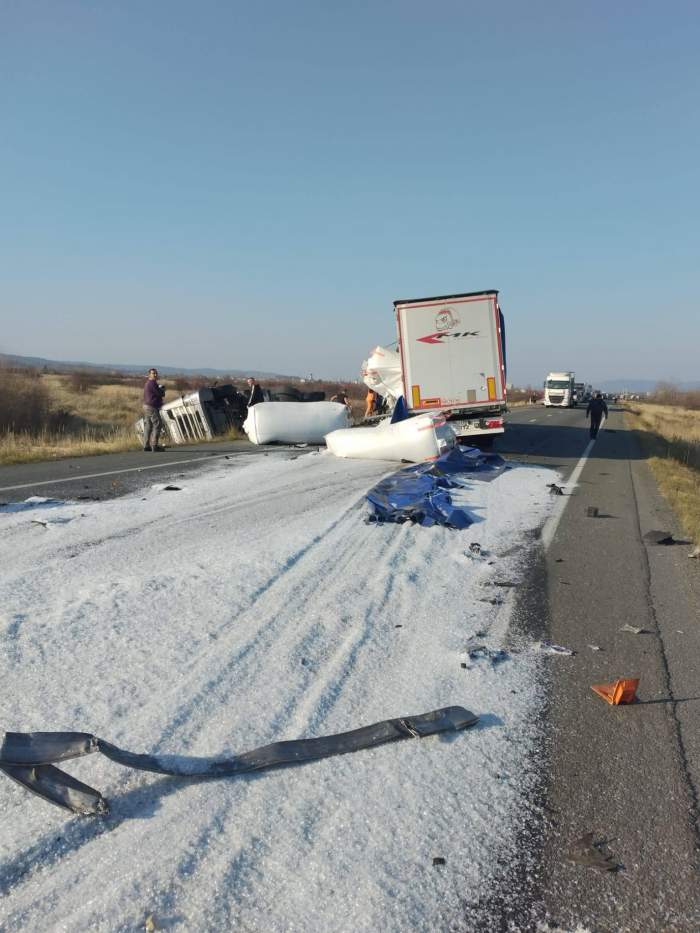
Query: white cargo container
x=452, y=350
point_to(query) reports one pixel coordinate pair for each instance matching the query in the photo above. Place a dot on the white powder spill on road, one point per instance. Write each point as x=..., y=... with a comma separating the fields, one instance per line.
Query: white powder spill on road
x=256, y=606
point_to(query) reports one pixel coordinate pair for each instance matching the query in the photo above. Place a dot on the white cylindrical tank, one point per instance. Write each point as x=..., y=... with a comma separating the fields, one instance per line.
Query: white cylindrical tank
x=294, y=422
x=424, y=437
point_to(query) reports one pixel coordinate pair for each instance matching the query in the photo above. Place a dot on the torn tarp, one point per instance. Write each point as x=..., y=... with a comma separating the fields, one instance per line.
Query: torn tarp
x=420, y=493
x=27, y=757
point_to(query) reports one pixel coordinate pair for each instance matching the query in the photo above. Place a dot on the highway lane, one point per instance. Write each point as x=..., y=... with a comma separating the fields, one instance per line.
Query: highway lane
x=629, y=774
x=109, y=475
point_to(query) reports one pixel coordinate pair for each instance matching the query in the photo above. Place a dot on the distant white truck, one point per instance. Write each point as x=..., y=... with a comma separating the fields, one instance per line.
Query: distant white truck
x=451, y=358
x=559, y=390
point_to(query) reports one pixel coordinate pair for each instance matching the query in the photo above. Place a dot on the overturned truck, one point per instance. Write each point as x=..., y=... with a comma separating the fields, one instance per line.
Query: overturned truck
x=213, y=410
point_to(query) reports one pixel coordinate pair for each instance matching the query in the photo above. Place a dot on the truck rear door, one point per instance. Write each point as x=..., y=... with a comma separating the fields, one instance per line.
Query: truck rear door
x=452, y=351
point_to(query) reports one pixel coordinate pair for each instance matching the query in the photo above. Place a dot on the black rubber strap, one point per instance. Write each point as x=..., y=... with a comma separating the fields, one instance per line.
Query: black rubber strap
x=27, y=757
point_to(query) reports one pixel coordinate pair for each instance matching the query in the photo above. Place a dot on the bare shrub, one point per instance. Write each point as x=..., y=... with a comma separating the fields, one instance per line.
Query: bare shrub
x=24, y=402
x=82, y=380
x=666, y=393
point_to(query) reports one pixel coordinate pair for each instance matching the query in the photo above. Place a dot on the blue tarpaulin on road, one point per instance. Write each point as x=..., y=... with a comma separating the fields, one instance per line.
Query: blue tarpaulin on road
x=420, y=493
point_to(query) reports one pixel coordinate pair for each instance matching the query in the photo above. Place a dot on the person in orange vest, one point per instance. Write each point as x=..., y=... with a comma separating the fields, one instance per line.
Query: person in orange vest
x=371, y=400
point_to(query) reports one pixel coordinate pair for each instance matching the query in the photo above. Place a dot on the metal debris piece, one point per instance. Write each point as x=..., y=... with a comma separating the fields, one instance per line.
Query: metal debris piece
x=549, y=648
x=438, y=860
x=659, y=537
x=475, y=547
x=172, y=488
x=555, y=490
x=595, y=647
x=634, y=630
x=586, y=851
x=27, y=757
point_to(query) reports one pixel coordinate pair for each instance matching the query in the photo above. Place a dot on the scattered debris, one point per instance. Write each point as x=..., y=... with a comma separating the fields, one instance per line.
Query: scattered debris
x=504, y=583
x=695, y=552
x=438, y=860
x=622, y=691
x=398, y=626
x=660, y=537
x=172, y=488
x=634, y=630
x=481, y=652
x=555, y=490
x=595, y=647
x=586, y=851
x=492, y=600
x=38, y=521
x=592, y=511
x=475, y=548
x=559, y=560
x=149, y=924
x=549, y=648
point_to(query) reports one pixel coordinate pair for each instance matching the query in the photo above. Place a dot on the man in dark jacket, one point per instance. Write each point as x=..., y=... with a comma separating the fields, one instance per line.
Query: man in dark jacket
x=152, y=403
x=255, y=392
x=596, y=409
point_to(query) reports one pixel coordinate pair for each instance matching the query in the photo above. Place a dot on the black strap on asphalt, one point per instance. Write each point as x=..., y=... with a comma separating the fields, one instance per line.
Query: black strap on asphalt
x=29, y=757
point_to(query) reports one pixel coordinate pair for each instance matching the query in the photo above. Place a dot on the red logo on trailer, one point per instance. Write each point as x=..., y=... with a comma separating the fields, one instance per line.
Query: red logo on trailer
x=440, y=338
x=444, y=320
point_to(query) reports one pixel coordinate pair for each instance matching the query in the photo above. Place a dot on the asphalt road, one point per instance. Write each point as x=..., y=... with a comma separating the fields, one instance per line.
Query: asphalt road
x=630, y=774
x=109, y=475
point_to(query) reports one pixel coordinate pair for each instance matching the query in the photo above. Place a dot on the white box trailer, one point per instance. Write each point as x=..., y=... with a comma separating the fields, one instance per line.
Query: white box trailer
x=453, y=359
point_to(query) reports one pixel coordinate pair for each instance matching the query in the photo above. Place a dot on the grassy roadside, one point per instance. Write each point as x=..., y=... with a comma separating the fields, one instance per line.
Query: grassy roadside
x=670, y=436
x=24, y=447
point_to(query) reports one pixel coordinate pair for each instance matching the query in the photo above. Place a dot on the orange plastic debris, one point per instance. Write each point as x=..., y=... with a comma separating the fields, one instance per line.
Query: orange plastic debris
x=623, y=690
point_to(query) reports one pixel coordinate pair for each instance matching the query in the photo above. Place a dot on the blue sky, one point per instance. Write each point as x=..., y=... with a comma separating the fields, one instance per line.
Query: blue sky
x=251, y=185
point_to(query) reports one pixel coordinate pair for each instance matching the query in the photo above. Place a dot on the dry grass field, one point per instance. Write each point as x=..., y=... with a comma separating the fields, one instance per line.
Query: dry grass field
x=48, y=416
x=670, y=435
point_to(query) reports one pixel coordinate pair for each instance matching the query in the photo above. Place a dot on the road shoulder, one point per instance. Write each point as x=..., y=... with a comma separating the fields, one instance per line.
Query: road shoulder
x=623, y=773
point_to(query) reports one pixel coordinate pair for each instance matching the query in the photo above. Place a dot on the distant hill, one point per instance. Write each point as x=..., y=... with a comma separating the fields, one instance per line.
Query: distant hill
x=38, y=362
x=642, y=385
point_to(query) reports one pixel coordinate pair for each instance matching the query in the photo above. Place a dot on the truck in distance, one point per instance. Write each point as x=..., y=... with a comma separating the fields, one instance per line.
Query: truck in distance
x=559, y=390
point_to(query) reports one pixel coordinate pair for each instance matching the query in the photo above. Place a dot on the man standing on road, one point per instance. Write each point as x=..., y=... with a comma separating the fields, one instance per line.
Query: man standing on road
x=596, y=409
x=152, y=403
x=255, y=395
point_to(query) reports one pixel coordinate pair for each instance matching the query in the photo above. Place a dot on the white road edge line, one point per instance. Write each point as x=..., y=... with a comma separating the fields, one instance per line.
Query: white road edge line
x=150, y=466
x=549, y=529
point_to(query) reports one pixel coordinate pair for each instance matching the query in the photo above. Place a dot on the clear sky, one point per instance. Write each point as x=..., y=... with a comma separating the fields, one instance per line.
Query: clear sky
x=250, y=185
